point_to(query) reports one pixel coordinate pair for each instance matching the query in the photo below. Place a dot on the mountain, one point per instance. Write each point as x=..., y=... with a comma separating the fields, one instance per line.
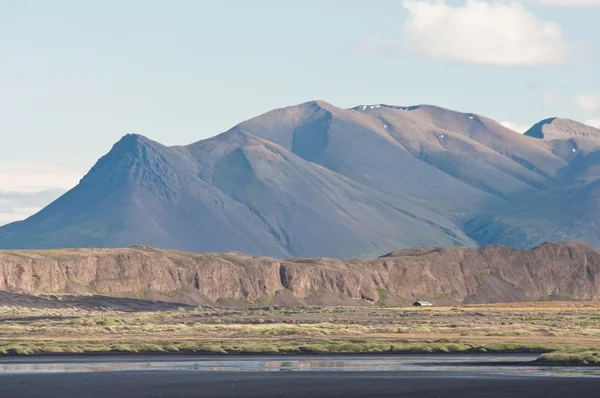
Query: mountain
x=442, y=275
x=321, y=181
x=557, y=128
x=569, y=209
x=143, y=192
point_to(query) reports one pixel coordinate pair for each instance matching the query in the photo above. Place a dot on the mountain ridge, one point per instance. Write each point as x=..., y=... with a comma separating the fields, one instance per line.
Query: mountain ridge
x=317, y=180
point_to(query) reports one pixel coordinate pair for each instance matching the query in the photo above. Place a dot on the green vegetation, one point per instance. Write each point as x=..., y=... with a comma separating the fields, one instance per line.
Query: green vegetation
x=382, y=293
x=303, y=261
x=583, y=356
x=241, y=261
x=564, y=334
x=108, y=322
x=257, y=347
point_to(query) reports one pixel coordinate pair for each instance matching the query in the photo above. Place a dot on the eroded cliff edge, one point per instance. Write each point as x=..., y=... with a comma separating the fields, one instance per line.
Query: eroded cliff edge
x=443, y=275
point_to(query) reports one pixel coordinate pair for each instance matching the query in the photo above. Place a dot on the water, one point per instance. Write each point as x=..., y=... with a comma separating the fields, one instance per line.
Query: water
x=457, y=365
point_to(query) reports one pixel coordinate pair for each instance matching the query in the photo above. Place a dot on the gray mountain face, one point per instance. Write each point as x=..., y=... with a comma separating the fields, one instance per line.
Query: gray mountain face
x=569, y=209
x=316, y=180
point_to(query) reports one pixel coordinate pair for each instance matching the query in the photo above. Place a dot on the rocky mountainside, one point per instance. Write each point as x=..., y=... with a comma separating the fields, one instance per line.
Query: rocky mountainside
x=442, y=275
x=316, y=180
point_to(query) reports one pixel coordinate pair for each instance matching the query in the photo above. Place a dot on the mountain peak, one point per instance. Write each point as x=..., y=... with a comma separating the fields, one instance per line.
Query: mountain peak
x=536, y=131
x=321, y=103
x=318, y=104
x=133, y=139
x=426, y=108
x=556, y=128
x=318, y=180
x=135, y=145
x=385, y=106
x=129, y=155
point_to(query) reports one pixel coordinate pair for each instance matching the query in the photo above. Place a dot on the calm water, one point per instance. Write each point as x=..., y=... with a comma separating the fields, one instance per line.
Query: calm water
x=466, y=365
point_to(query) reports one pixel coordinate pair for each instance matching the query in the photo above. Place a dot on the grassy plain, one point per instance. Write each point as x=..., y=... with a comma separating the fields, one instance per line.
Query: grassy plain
x=566, y=332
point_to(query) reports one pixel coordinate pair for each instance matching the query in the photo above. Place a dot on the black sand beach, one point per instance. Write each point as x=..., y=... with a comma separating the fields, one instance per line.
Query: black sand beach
x=406, y=376
x=140, y=384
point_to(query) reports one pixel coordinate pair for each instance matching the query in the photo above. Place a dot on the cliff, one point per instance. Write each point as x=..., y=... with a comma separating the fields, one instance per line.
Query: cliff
x=443, y=275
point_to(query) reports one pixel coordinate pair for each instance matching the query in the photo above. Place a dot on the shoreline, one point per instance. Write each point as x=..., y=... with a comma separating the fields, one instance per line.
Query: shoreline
x=426, y=362
x=188, y=355
x=270, y=354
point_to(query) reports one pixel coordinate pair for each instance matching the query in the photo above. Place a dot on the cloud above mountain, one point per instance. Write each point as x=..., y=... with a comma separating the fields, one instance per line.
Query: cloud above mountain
x=588, y=102
x=593, y=122
x=28, y=186
x=39, y=175
x=15, y=206
x=482, y=32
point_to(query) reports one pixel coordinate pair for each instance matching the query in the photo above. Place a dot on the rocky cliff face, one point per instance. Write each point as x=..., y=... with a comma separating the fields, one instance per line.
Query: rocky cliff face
x=444, y=276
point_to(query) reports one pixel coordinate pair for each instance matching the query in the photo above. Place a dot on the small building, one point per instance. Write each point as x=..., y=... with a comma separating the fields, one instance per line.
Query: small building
x=422, y=304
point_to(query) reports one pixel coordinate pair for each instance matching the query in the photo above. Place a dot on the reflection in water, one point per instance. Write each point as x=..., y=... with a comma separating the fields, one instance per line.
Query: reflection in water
x=488, y=365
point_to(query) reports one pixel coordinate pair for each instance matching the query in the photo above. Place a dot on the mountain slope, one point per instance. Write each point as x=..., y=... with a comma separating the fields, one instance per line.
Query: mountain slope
x=317, y=180
x=143, y=193
x=569, y=210
x=313, y=210
x=377, y=145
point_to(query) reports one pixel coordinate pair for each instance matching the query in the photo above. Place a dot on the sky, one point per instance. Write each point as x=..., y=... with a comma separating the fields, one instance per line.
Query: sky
x=75, y=76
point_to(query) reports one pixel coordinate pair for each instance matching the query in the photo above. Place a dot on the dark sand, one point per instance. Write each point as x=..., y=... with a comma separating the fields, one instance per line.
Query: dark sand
x=288, y=384
x=309, y=376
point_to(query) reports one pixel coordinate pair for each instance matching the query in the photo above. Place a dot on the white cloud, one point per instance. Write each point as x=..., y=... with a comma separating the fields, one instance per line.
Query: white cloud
x=593, y=123
x=482, y=32
x=38, y=175
x=519, y=128
x=589, y=103
x=17, y=214
x=15, y=206
x=568, y=3
x=28, y=186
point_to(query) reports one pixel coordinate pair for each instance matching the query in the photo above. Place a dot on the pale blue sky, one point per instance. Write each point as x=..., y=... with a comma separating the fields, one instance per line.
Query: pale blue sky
x=77, y=75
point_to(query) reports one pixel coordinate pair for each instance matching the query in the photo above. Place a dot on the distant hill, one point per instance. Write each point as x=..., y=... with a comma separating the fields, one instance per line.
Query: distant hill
x=442, y=275
x=556, y=129
x=316, y=180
